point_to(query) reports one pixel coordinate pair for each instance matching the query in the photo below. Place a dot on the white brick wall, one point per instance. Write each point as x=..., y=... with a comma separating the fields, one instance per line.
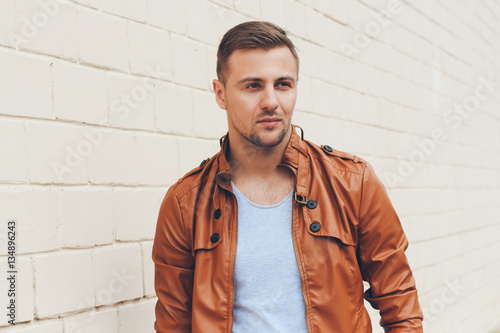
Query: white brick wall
x=104, y=104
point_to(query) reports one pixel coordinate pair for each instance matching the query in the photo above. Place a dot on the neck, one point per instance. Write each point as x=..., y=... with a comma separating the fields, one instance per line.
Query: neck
x=248, y=160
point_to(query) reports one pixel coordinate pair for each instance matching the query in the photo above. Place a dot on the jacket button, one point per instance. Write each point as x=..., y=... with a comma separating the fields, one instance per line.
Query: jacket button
x=315, y=226
x=203, y=163
x=328, y=148
x=311, y=204
x=214, y=238
x=217, y=213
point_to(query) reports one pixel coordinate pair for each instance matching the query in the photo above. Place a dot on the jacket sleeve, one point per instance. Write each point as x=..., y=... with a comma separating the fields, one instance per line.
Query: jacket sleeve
x=383, y=264
x=174, y=269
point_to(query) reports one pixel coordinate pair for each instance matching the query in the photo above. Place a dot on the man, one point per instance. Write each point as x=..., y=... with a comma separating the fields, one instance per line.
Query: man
x=274, y=233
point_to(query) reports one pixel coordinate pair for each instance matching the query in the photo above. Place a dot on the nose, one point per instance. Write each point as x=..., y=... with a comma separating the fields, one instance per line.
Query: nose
x=269, y=101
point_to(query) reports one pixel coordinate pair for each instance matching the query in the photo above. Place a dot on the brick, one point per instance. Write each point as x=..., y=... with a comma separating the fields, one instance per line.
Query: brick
x=9, y=24
x=150, y=51
x=341, y=10
x=168, y=14
x=328, y=61
x=156, y=160
x=193, y=151
x=340, y=107
x=312, y=124
x=37, y=226
x=207, y=111
x=308, y=57
x=56, y=276
x=321, y=100
x=358, y=15
x=117, y=273
x=342, y=137
x=363, y=109
x=135, y=213
x=60, y=156
x=189, y=62
x=323, y=6
x=79, y=93
x=137, y=317
x=113, y=160
x=273, y=11
x=13, y=166
x=148, y=268
x=48, y=27
x=29, y=75
x=316, y=27
x=248, y=8
x=50, y=326
x=201, y=16
x=377, y=55
x=25, y=284
x=86, y=217
x=212, y=66
x=308, y=3
x=226, y=19
x=102, y=39
x=392, y=116
x=304, y=93
x=23, y=290
x=171, y=102
x=295, y=18
x=131, y=101
x=133, y=9
x=225, y=3
x=105, y=320
x=90, y=3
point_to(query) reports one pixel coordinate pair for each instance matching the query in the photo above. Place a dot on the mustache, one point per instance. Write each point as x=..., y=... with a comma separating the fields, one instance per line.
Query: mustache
x=272, y=113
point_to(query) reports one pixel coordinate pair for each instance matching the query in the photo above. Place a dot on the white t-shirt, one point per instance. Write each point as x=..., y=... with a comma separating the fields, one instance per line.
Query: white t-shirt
x=268, y=289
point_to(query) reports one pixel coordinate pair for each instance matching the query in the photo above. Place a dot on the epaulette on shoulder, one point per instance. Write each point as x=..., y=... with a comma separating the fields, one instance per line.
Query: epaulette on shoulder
x=343, y=155
x=193, y=171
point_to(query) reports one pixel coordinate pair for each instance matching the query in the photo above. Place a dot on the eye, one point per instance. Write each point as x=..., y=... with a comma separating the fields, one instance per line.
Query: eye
x=254, y=85
x=284, y=84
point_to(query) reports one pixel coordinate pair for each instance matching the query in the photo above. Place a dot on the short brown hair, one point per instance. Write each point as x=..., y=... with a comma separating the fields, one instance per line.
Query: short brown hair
x=251, y=35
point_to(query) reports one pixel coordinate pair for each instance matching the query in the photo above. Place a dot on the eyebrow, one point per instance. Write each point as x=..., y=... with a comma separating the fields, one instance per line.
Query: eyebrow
x=257, y=79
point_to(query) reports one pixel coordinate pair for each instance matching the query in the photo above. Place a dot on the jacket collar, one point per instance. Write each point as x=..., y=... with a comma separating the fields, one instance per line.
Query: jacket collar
x=295, y=156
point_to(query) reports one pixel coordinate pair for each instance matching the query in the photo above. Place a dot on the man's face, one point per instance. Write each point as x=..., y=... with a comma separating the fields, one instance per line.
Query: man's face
x=259, y=95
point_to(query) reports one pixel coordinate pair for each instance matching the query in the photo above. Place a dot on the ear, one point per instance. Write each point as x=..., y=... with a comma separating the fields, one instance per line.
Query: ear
x=220, y=93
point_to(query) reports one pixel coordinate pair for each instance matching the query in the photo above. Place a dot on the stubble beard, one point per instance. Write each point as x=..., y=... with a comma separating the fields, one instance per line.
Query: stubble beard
x=255, y=139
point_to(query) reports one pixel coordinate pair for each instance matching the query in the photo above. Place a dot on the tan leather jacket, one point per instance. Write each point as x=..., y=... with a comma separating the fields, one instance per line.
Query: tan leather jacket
x=344, y=228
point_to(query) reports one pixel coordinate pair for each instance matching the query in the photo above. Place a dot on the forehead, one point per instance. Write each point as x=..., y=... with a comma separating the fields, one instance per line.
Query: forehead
x=261, y=62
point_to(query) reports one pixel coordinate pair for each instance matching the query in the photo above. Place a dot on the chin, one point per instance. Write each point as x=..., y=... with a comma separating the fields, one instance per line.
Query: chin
x=270, y=140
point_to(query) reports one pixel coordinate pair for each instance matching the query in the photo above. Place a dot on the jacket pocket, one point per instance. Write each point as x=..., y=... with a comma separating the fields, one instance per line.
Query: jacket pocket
x=324, y=221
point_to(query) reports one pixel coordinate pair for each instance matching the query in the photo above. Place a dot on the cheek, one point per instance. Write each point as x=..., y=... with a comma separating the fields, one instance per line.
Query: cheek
x=287, y=101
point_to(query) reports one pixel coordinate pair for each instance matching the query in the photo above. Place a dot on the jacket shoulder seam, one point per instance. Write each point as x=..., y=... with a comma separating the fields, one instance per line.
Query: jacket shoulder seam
x=183, y=192
x=337, y=167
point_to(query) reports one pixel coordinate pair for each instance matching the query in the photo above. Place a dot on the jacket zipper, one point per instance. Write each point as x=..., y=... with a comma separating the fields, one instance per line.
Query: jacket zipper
x=230, y=326
x=295, y=248
x=300, y=263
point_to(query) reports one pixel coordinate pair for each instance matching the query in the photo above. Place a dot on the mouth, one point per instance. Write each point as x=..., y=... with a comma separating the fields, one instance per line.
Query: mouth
x=269, y=121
